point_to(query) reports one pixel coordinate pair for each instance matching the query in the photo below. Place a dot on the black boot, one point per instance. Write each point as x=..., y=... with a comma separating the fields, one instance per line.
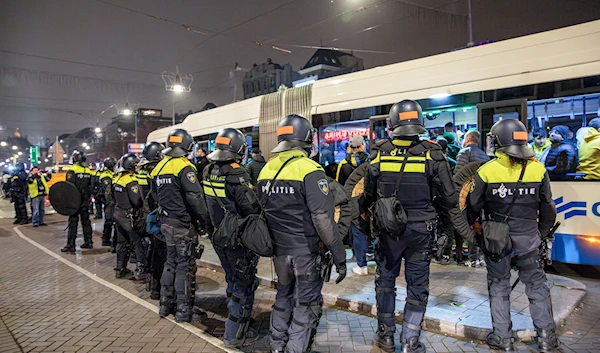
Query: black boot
x=68, y=248
x=140, y=272
x=124, y=273
x=17, y=221
x=166, y=307
x=412, y=345
x=384, y=338
x=87, y=245
x=186, y=314
x=502, y=344
x=249, y=338
x=547, y=340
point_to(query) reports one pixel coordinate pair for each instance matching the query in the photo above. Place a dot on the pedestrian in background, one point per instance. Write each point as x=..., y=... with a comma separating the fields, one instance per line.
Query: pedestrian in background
x=38, y=190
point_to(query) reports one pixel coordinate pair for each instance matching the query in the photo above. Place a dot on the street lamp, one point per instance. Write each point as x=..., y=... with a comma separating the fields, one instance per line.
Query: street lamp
x=3, y=143
x=15, y=148
x=128, y=110
x=177, y=82
x=20, y=153
x=84, y=144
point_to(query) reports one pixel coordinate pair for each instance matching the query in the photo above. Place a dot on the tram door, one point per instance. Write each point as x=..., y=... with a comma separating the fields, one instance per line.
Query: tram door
x=377, y=129
x=490, y=113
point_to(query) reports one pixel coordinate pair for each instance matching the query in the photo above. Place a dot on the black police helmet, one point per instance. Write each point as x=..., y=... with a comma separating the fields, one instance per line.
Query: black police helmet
x=406, y=119
x=128, y=163
x=20, y=166
x=109, y=163
x=152, y=153
x=78, y=157
x=229, y=145
x=179, y=143
x=510, y=136
x=294, y=131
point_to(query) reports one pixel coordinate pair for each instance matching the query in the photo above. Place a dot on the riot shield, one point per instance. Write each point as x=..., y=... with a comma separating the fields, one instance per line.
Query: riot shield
x=65, y=198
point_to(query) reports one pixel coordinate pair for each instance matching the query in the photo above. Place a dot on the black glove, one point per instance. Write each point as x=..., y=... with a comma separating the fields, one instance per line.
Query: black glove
x=341, y=270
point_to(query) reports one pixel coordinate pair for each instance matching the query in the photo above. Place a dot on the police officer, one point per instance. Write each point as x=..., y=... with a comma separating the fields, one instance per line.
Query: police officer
x=151, y=155
x=18, y=193
x=422, y=172
x=531, y=218
x=128, y=200
x=80, y=175
x=97, y=190
x=181, y=207
x=227, y=185
x=109, y=201
x=299, y=211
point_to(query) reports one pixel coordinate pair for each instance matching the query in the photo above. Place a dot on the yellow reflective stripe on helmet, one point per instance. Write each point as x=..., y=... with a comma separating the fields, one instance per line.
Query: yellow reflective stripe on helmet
x=395, y=167
x=208, y=191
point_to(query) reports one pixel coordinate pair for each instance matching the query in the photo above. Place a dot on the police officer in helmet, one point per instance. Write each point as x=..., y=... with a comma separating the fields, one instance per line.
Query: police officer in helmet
x=513, y=174
x=128, y=200
x=80, y=175
x=181, y=207
x=299, y=211
x=151, y=155
x=407, y=170
x=227, y=186
x=109, y=201
x=18, y=193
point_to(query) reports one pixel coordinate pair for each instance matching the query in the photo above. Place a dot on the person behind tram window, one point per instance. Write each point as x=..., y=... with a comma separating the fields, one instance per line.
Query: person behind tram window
x=453, y=149
x=411, y=172
x=227, y=186
x=589, y=151
x=80, y=175
x=561, y=157
x=257, y=164
x=449, y=128
x=299, y=211
x=530, y=220
x=38, y=190
x=441, y=140
x=540, y=143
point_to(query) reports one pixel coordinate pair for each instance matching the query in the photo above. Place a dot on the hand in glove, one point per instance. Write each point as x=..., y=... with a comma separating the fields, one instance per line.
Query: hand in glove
x=341, y=270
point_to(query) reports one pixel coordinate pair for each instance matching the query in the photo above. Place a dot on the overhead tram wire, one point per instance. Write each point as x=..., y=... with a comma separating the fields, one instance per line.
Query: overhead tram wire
x=78, y=62
x=223, y=32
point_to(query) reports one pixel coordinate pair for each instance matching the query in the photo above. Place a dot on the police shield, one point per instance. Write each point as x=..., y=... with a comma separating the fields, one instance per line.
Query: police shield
x=65, y=198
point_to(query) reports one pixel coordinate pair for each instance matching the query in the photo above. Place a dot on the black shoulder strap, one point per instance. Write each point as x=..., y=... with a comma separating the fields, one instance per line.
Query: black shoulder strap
x=514, y=198
x=263, y=204
x=401, y=172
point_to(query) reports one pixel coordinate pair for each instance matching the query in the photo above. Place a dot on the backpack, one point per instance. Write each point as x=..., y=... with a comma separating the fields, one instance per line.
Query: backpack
x=390, y=214
x=255, y=235
x=226, y=233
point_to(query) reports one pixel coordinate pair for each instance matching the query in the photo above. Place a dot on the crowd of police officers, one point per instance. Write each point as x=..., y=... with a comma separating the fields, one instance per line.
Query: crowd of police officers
x=294, y=194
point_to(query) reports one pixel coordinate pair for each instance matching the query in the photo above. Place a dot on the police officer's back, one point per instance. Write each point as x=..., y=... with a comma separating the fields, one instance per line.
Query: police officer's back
x=80, y=175
x=18, y=193
x=128, y=200
x=412, y=172
x=181, y=207
x=299, y=213
x=109, y=201
x=227, y=186
x=528, y=208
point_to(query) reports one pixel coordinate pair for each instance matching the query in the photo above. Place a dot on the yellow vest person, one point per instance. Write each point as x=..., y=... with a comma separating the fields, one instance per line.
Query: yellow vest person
x=38, y=189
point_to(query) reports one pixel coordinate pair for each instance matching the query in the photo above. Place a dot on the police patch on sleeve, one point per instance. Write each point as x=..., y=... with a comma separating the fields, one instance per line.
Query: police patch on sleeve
x=324, y=186
x=134, y=188
x=191, y=177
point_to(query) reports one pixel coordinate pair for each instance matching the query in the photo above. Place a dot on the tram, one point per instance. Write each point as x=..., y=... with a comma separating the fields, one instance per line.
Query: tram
x=545, y=79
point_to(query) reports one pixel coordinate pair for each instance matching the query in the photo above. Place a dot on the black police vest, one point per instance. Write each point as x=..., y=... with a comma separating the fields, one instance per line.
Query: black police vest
x=213, y=184
x=415, y=187
x=120, y=191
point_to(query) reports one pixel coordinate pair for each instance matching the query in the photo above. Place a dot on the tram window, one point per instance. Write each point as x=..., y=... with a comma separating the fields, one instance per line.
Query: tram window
x=566, y=136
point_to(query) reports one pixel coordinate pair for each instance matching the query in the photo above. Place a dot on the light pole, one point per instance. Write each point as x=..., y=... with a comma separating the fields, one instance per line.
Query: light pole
x=128, y=109
x=177, y=82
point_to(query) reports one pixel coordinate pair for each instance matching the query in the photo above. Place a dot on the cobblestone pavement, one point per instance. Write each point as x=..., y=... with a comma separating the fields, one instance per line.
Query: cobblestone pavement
x=51, y=307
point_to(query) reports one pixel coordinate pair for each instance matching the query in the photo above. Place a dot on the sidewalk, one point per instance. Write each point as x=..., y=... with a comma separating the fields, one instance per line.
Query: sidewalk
x=458, y=300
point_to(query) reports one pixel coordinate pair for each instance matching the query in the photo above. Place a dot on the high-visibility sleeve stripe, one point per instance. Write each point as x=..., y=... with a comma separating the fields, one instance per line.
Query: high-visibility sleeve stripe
x=208, y=191
x=395, y=167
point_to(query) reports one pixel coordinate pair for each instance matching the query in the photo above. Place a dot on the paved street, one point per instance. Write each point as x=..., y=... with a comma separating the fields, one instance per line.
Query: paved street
x=49, y=305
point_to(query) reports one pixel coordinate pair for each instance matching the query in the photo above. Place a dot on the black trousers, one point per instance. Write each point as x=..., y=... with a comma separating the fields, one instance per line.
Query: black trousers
x=128, y=239
x=414, y=247
x=298, y=303
x=20, y=206
x=178, y=280
x=109, y=223
x=83, y=215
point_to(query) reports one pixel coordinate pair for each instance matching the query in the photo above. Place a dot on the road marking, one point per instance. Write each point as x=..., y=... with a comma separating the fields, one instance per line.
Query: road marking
x=189, y=327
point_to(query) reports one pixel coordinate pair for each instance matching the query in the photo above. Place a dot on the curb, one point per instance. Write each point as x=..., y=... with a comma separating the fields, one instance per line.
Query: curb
x=436, y=325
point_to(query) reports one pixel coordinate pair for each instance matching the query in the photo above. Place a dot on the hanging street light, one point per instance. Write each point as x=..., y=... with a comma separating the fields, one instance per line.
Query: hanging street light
x=128, y=109
x=177, y=82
